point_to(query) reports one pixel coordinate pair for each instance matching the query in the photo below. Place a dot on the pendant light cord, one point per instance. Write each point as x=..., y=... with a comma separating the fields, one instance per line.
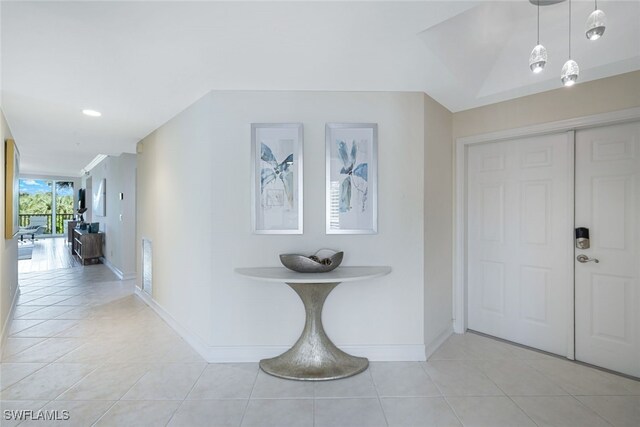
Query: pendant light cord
x=538, y=21
x=569, y=29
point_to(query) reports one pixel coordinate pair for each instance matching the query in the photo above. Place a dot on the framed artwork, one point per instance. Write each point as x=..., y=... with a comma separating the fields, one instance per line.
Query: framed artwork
x=100, y=199
x=276, y=178
x=351, y=178
x=12, y=188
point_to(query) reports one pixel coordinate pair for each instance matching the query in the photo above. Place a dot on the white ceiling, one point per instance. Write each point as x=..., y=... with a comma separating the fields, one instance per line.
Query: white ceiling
x=140, y=63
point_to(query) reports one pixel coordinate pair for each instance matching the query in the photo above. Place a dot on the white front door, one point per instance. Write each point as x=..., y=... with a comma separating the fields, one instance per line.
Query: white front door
x=608, y=203
x=520, y=222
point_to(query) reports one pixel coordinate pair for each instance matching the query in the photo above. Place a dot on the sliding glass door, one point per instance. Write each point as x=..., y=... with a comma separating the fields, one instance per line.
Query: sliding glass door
x=63, y=204
x=46, y=203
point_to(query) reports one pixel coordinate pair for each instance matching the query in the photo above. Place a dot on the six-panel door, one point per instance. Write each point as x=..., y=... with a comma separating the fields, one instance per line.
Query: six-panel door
x=519, y=252
x=608, y=203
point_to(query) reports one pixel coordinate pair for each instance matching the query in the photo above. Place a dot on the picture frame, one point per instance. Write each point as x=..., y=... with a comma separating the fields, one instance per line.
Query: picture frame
x=351, y=178
x=277, y=178
x=100, y=199
x=12, y=189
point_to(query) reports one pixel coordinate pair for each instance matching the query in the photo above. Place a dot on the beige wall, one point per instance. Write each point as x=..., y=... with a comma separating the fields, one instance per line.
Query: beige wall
x=594, y=97
x=8, y=248
x=438, y=225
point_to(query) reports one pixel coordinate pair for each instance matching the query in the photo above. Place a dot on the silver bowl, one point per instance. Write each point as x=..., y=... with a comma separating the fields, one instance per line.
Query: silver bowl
x=304, y=264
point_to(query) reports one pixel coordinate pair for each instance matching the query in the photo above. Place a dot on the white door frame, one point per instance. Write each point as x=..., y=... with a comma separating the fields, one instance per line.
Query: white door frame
x=460, y=242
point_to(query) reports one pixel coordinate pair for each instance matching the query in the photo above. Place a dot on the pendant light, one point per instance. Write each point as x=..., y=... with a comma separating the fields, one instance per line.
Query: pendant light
x=596, y=23
x=538, y=57
x=570, y=70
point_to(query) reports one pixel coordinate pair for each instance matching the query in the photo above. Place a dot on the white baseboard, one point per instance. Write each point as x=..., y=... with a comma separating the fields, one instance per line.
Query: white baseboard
x=192, y=339
x=7, y=322
x=116, y=270
x=438, y=341
x=228, y=354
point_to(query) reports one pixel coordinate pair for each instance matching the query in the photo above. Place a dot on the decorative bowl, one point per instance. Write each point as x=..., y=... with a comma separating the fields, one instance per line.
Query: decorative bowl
x=322, y=261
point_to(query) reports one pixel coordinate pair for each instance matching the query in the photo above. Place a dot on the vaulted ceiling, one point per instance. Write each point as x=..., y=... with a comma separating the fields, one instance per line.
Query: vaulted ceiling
x=140, y=63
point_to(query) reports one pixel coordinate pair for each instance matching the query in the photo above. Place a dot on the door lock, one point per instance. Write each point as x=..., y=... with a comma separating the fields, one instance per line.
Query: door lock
x=583, y=258
x=582, y=238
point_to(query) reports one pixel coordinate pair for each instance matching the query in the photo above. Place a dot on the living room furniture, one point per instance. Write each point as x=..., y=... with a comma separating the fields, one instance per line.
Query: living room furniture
x=87, y=246
x=71, y=225
x=313, y=357
x=37, y=225
x=33, y=231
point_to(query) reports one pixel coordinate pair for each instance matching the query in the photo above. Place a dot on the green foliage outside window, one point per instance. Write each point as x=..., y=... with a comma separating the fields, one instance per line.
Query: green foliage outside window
x=39, y=203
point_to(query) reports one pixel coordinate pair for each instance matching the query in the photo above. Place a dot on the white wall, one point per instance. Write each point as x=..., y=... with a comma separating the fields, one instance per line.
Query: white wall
x=8, y=248
x=438, y=224
x=119, y=222
x=194, y=203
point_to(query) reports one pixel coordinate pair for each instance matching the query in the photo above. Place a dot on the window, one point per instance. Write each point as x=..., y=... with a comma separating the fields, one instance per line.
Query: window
x=46, y=202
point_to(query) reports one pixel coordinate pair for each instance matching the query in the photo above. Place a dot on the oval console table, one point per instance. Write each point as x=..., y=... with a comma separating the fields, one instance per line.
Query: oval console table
x=313, y=357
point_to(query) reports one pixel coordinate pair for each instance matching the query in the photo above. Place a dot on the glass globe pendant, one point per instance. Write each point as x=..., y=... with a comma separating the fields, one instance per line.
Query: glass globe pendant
x=538, y=59
x=596, y=24
x=570, y=72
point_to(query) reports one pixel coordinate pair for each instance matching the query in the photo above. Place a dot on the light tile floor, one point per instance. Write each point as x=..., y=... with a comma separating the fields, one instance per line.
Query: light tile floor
x=82, y=342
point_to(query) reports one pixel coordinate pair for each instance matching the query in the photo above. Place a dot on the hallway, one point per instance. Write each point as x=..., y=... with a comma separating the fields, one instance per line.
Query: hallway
x=49, y=253
x=83, y=342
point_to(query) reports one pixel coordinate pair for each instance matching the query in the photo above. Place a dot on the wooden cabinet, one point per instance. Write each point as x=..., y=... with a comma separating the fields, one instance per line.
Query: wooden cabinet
x=87, y=246
x=71, y=226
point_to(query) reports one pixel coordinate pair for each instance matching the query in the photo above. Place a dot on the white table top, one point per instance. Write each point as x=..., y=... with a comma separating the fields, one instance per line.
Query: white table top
x=340, y=274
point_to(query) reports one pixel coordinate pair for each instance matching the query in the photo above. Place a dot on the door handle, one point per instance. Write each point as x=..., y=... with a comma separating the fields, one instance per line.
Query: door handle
x=583, y=258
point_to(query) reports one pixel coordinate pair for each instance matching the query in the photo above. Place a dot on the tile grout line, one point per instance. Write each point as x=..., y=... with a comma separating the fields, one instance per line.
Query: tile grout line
x=592, y=410
x=72, y=385
x=105, y=413
x=173, y=413
x=120, y=398
x=375, y=387
x=455, y=414
x=25, y=349
x=549, y=378
x=513, y=401
x=12, y=335
x=255, y=380
x=37, y=370
x=188, y=392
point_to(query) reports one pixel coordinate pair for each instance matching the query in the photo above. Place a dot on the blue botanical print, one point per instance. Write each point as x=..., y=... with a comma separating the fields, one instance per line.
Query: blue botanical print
x=351, y=170
x=283, y=171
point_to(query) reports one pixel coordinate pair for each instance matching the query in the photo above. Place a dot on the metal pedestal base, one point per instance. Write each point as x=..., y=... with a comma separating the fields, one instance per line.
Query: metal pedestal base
x=314, y=357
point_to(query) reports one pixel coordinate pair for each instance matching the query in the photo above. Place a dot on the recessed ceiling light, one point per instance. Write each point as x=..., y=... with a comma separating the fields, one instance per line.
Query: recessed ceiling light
x=92, y=113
